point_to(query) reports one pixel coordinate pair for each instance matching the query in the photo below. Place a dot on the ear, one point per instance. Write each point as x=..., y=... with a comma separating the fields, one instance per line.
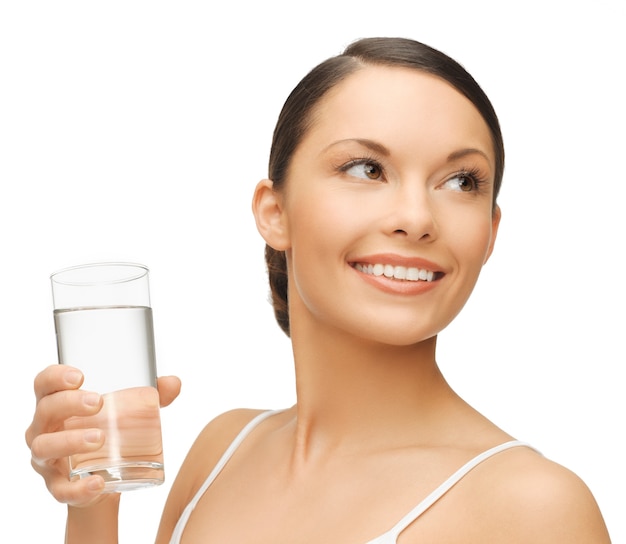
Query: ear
x=495, y=223
x=271, y=221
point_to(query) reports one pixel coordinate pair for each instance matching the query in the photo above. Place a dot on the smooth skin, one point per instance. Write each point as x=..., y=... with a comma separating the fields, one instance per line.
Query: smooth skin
x=397, y=169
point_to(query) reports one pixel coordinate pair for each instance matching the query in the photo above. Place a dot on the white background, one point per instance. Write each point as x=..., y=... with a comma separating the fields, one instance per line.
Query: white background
x=136, y=131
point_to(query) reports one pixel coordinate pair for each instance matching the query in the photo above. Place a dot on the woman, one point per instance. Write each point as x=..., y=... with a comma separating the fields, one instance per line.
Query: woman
x=379, y=213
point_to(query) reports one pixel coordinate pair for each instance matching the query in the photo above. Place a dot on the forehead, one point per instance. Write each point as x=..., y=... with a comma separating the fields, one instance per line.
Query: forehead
x=401, y=107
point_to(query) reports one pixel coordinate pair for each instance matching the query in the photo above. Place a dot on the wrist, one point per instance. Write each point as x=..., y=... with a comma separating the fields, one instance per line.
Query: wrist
x=96, y=524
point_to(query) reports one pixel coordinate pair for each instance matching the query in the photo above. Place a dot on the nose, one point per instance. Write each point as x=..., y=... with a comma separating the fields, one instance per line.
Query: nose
x=412, y=212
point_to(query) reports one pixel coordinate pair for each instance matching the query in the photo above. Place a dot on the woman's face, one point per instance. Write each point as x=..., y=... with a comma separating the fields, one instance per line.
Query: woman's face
x=388, y=207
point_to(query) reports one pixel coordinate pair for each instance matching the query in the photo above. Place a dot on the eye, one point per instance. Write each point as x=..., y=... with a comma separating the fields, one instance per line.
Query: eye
x=364, y=169
x=464, y=182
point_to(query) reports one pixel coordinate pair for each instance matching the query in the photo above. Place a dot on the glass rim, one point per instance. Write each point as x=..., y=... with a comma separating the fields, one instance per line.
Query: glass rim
x=141, y=271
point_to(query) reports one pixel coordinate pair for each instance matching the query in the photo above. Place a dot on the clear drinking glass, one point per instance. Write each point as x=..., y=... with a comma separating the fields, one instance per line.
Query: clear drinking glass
x=103, y=323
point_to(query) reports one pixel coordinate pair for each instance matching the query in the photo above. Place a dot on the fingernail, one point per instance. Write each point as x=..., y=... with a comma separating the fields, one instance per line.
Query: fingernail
x=73, y=377
x=92, y=436
x=91, y=399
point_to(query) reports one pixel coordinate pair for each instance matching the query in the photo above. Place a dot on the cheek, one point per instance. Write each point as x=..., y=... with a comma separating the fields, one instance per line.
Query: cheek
x=472, y=241
x=321, y=219
x=321, y=230
x=309, y=236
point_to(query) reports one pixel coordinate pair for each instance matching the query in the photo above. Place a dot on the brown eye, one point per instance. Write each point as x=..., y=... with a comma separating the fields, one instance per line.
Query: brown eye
x=463, y=182
x=466, y=183
x=371, y=170
x=364, y=169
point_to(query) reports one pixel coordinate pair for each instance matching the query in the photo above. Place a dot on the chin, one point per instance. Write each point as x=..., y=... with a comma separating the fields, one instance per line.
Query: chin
x=399, y=337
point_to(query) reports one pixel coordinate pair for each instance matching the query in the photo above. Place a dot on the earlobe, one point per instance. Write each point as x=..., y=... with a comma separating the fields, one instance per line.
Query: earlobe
x=271, y=221
x=495, y=223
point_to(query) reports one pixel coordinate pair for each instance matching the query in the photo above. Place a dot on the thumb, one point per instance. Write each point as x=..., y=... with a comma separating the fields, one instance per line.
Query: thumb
x=169, y=388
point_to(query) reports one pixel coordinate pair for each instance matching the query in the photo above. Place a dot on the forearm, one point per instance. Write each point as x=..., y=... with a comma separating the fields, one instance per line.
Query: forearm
x=96, y=524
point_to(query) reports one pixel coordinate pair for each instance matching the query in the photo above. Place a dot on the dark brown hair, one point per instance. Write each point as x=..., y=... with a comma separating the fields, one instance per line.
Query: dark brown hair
x=296, y=116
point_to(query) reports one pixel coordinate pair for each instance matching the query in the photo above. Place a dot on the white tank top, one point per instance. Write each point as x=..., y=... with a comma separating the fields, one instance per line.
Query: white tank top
x=389, y=537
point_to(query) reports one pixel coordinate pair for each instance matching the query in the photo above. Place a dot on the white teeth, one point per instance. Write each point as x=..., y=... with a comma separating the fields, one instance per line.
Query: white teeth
x=396, y=272
x=399, y=272
x=413, y=274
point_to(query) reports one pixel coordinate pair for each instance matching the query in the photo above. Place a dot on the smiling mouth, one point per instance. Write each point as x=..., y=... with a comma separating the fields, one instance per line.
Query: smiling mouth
x=402, y=273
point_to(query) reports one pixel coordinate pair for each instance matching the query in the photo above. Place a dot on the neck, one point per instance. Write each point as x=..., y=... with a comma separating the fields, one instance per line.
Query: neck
x=353, y=392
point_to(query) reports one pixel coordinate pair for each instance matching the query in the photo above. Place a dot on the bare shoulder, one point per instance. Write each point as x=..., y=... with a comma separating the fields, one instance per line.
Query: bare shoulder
x=221, y=431
x=211, y=444
x=539, y=500
x=202, y=457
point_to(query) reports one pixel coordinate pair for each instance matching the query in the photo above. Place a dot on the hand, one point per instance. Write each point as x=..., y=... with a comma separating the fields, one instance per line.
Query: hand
x=58, y=397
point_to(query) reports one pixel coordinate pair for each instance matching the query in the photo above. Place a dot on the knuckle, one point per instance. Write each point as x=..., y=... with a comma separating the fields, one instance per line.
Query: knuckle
x=53, y=409
x=44, y=377
x=60, y=489
x=38, y=450
x=28, y=435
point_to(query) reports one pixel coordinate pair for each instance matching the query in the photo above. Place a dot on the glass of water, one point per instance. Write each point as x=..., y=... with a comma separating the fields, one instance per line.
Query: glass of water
x=103, y=323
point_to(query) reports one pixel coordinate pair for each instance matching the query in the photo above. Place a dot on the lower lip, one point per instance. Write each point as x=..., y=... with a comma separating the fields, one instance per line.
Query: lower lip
x=397, y=287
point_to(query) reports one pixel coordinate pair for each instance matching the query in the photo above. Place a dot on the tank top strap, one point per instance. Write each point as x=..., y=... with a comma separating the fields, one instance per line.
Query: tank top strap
x=392, y=535
x=182, y=521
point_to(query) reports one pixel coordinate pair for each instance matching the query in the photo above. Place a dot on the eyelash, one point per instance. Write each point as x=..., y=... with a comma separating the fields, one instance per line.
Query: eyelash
x=362, y=161
x=474, y=174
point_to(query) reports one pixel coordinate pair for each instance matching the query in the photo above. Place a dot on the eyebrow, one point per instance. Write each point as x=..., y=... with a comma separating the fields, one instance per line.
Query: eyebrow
x=370, y=144
x=469, y=151
x=382, y=150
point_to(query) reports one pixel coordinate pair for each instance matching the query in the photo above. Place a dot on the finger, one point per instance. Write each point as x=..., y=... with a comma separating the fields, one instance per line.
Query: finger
x=52, y=410
x=169, y=388
x=80, y=492
x=59, y=445
x=56, y=378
